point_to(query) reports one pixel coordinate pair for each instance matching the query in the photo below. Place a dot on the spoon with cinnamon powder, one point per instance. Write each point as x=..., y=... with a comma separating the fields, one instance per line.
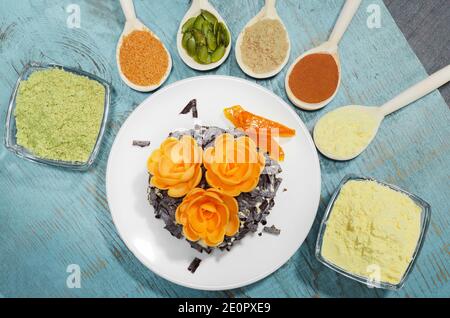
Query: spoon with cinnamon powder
x=314, y=78
x=144, y=63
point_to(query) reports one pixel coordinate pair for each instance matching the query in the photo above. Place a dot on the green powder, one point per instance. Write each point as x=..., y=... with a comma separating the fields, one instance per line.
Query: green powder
x=59, y=114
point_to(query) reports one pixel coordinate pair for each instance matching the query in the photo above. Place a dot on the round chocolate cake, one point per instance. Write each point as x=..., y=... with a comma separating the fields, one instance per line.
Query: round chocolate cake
x=254, y=206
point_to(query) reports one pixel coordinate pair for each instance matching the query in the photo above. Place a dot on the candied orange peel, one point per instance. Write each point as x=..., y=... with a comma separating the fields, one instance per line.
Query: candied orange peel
x=260, y=129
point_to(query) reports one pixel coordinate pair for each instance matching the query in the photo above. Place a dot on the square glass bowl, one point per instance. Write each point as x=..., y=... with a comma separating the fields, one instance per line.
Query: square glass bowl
x=11, y=129
x=425, y=220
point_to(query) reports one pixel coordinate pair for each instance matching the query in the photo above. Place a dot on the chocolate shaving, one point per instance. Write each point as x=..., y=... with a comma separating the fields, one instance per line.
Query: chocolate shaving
x=191, y=107
x=199, y=248
x=194, y=265
x=272, y=230
x=174, y=229
x=141, y=143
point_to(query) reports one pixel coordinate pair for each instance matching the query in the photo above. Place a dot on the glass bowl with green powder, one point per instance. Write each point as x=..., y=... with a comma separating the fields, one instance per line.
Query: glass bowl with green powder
x=372, y=232
x=57, y=116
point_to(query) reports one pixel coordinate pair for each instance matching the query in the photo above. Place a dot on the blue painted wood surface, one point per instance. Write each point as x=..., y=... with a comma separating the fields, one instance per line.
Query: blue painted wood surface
x=50, y=218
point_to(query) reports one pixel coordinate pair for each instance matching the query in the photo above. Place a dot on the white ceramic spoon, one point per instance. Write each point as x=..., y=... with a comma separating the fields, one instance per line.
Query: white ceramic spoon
x=269, y=11
x=195, y=10
x=379, y=113
x=132, y=24
x=329, y=47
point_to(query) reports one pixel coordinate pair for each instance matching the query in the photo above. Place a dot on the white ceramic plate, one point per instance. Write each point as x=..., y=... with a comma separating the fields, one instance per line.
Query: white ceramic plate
x=253, y=258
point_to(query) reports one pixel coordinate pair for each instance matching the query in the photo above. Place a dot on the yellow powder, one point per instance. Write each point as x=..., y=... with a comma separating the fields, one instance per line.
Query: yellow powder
x=346, y=131
x=372, y=227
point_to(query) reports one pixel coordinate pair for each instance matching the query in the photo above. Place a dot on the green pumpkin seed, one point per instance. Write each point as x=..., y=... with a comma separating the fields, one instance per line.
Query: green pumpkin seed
x=199, y=37
x=223, y=34
x=191, y=46
x=202, y=54
x=216, y=27
x=218, y=39
x=185, y=39
x=222, y=26
x=218, y=54
x=205, y=28
x=187, y=26
x=209, y=16
x=198, y=24
x=225, y=37
x=211, y=41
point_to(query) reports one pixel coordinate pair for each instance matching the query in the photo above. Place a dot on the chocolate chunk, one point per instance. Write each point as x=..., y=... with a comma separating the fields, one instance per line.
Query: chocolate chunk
x=191, y=107
x=272, y=230
x=194, y=265
x=175, y=230
x=196, y=246
x=141, y=143
x=253, y=227
x=264, y=205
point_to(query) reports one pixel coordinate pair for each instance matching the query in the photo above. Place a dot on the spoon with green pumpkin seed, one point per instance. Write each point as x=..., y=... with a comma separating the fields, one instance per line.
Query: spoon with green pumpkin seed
x=203, y=39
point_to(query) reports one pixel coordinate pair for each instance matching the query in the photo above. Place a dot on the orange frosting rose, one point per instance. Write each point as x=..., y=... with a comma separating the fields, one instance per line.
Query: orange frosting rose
x=233, y=165
x=208, y=216
x=176, y=166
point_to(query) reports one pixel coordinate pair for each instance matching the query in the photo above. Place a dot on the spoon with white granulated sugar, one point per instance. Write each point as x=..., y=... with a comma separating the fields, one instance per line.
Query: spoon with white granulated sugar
x=269, y=11
x=346, y=132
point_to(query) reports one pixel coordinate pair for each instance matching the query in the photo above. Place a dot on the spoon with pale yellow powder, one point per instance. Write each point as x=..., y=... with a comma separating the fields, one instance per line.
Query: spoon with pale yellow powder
x=346, y=132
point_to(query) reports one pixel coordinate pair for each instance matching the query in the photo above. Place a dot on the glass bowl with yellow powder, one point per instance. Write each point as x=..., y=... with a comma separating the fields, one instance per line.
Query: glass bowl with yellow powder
x=57, y=116
x=372, y=232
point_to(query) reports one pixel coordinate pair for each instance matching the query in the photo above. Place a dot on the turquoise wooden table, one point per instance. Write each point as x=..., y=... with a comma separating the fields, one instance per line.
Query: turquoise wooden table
x=51, y=218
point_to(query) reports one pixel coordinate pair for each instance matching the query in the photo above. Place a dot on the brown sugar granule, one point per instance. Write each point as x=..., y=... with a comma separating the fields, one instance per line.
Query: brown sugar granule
x=264, y=46
x=314, y=78
x=143, y=58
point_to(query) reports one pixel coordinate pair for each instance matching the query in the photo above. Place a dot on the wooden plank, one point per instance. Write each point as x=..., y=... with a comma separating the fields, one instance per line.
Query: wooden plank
x=51, y=218
x=426, y=26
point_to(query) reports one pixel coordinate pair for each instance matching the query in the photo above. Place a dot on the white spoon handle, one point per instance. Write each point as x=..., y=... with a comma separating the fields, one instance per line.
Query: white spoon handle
x=199, y=4
x=271, y=8
x=128, y=9
x=346, y=16
x=417, y=91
